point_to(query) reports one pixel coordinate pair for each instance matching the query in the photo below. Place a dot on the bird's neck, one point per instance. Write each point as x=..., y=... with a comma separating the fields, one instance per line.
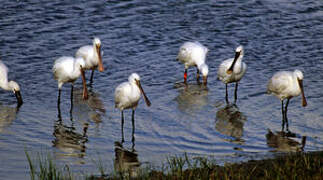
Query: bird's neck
x=200, y=63
x=240, y=58
x=296, y=85
x=238, y=63
x=199, y=66
x=6, y=86
x=95, y=51
x=76, y=68
x=135, y=88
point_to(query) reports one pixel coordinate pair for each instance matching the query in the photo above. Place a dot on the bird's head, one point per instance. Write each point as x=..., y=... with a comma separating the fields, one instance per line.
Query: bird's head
x=298, y=74
x=14, y=86
x=239, y=49
x=133, y=78
x=205, y=71
x=239, y=54
x=97, y=44
x=16, y=90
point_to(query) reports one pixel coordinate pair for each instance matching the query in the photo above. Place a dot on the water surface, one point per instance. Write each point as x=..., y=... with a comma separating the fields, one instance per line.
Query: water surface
x=144, y=37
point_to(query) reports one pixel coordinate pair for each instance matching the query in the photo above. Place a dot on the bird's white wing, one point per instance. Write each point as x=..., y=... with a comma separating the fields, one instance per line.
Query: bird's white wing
x=122, y=93
x=192, y=53
x=84, y=52
x=62, y=66
x=3, y=72
x=279, y=82
x=87, y=52
x=183, y=53
x=224, y=66
x=198, y=53
x=119, y=93
x=201, y=46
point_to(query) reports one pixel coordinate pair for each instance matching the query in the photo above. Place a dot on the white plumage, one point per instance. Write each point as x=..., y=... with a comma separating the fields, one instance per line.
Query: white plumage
x=194, y=54
x=127, y=95
x=68, y=69
x=286, y=85
x=9, y=85
x=232, y=70
x=92, y=56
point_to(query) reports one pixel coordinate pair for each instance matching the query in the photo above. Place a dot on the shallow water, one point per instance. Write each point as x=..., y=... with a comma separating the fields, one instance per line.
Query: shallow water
x=144, y=37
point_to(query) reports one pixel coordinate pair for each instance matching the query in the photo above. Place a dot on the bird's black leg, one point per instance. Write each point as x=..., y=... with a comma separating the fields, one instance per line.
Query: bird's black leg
x=283, y=115
x=197, y=75
x=286, y=114
x=226, y=93
x=72, y=89
x=236, y=93
x=58, y=106
x=91, y=79
x=122, y=121
x=59, y=98
x=133, y=128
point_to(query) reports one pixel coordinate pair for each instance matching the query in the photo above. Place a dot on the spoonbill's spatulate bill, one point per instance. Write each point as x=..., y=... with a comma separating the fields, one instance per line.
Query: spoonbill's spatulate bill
x=127, y=96
x=194, y=54
x=232, y=70
x=9, y=85
x=286, y=85
x=92, y=56
x=68, y=69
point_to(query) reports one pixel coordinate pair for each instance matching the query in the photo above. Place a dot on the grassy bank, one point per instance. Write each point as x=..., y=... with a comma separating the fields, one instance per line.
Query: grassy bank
x=289, y=166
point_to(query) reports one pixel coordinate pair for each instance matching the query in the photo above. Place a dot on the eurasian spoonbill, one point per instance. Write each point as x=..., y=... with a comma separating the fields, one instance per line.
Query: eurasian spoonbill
x=68, y=69
x=232, y=70
x=194, y=54
x=285, y=85
x=127, y=96
x=9, y=85
x=92, y=56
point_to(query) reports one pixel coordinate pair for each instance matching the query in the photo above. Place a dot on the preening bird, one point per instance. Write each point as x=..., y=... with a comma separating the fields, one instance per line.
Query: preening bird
x=194, y=54
x=9, y=85
x=232, y=70
x=286, y=85
x=127, y=96
x=67, y=70
x=92, y=56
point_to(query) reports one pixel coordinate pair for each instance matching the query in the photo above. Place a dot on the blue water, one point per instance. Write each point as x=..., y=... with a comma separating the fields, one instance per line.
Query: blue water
x=144, y=37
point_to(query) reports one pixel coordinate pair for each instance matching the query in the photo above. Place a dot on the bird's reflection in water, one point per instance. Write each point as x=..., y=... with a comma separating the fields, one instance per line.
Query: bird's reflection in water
x=67, y=140
x=7, y=115
x=192, y=97
x=93, y=107
x=126, y=161
x=285, y=142
x=230, y=121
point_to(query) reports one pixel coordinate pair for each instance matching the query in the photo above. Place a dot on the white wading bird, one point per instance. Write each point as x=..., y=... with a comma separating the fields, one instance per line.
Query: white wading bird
x=92, y=56
x=9, y=85
x=285, y=85
x=127, y=96
x=232, y=70
x=68, y=69
x=194, y=54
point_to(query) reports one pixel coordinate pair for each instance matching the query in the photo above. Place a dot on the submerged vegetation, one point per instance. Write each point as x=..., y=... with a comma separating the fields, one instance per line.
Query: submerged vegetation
x=289, y=166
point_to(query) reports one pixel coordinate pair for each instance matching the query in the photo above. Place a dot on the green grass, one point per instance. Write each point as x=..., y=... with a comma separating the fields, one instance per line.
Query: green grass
x=47, y=169
x=289, y=166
